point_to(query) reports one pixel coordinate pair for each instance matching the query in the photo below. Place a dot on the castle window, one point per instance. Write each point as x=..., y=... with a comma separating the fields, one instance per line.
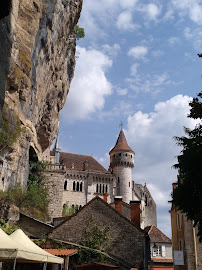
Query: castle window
x=103, y=189
x=126, y=154
x=77, y=186
x=81, y=186
x=106, y=190
x=146, y=201
x=129, y=184
x=74, y=186
x=119, y=154
x=65, y=185
x=131, y=156
x=118, y=180
x=100, y=188
x=97, y=188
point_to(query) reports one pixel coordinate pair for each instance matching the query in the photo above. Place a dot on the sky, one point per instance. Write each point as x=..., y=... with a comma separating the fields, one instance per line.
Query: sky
x=137, y=64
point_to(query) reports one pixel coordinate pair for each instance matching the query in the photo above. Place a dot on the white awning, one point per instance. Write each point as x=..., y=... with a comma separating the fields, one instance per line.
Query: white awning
x=19, y=246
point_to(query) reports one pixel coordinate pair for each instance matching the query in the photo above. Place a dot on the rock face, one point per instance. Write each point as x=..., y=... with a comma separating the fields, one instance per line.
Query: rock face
x=37, y=60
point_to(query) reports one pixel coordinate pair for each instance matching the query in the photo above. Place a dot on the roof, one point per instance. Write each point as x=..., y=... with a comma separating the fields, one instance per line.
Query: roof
x=121, y=144
x=97, y=263
x=156, y=236
x=62, y=252
x=162, y=260
x=97, y=198
x=76, y=162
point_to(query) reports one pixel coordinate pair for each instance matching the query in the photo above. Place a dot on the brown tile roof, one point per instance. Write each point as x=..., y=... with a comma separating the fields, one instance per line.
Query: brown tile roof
x=97, y=263
x=76, y=162
x=156, y=236
x=121, y=144
x=62, y=252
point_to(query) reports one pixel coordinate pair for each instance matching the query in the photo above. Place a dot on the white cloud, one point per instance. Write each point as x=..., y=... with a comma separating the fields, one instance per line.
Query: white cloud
x=173, y=41
x=126, y=4
x=133, y=69
x=111, y=50
x=150, y=135
x=138, y=52
x=150, y=83
x=195, y=36
x=158, y=53
x=193, y=9
x=152, y=11
x=125, y=21
x=89, y=86
x=122, y=91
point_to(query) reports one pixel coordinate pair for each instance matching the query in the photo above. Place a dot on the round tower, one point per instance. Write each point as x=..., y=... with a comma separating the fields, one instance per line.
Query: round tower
x=122, y=162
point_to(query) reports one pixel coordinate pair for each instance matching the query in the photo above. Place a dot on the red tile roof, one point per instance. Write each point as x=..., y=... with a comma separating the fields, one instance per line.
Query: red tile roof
x=156, y=236
x=121, y=144
x=76, y=162
x=62, y=252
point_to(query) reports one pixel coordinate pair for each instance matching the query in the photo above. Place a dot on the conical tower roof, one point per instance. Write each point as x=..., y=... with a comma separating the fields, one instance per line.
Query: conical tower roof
x=121, y=144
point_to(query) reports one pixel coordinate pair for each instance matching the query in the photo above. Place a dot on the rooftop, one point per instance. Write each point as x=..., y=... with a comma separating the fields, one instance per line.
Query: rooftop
x=121, y=144
x=76, y=162
x=156, y=236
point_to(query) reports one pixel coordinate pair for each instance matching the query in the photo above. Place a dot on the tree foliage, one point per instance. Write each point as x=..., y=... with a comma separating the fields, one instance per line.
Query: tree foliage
x=80, y=33
x=188, y=194
x=95, y=238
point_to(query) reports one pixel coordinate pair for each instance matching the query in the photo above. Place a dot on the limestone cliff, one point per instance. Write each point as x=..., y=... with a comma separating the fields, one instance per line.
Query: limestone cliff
x=37, y=60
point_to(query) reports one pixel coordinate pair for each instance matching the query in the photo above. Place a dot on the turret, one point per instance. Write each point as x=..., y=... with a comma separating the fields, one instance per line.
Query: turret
x=57, y=151
x=122, y=162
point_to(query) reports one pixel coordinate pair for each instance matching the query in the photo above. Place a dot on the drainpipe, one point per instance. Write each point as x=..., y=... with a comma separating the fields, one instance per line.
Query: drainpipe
x=195, y=251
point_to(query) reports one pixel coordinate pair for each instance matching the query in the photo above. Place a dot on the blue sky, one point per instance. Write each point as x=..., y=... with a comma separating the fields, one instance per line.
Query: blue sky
x=137, y=64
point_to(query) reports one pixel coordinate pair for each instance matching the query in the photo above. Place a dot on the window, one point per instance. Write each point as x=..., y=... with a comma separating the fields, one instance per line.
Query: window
x=77, y=186
x=100, y=188
x=179, y=221
x=106, y=190
x=118, y=180
x=97, y=188
x=81, y=186
x=119, y=154
x=156, y=251
x=65, y=185
x=74, y=186
x=103, y=189
x=129, y=184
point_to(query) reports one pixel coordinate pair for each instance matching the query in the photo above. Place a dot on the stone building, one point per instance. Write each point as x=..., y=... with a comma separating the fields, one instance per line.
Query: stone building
x=74, y=180
x=185, y=240
x=127, y=243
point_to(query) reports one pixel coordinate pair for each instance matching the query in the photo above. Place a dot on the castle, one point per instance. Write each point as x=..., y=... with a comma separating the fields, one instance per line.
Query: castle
x=74, y=180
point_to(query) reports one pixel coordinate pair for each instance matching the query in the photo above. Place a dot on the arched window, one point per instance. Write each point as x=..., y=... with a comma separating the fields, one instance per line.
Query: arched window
x=97, y=188
x=106, y=190
x=81, y=186
x=65, y=185
x=103, y=189
x=77, y=186
x=74, y=186
x=100, y=188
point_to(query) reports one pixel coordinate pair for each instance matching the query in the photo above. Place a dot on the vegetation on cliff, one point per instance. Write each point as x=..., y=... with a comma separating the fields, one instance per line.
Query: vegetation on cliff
x=32, y=200
x=188, y=194
x=10, y=129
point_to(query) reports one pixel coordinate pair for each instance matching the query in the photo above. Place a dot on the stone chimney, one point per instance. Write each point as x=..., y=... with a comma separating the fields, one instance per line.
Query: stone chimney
x=85, y=166
x=105, y=197
x=118, y=203
x=135, y=212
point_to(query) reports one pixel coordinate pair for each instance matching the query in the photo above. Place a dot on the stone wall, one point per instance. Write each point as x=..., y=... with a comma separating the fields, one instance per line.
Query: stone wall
x=37, y=60
x=126, y=241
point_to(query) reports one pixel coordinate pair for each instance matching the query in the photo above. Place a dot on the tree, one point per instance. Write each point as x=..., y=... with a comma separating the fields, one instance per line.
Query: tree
x=188, y=193
x=79, y=32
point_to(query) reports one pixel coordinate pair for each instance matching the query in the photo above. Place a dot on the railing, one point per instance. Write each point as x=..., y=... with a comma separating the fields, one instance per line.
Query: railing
x=55, y=167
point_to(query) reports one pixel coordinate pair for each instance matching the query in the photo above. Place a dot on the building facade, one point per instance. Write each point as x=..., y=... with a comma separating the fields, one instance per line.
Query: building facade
x=185, y=241
x=73, y=180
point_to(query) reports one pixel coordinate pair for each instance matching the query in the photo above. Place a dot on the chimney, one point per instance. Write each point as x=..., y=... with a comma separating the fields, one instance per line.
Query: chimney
x=135, y=212
x=118, y=203
x=174, y=186
x=105, y=197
